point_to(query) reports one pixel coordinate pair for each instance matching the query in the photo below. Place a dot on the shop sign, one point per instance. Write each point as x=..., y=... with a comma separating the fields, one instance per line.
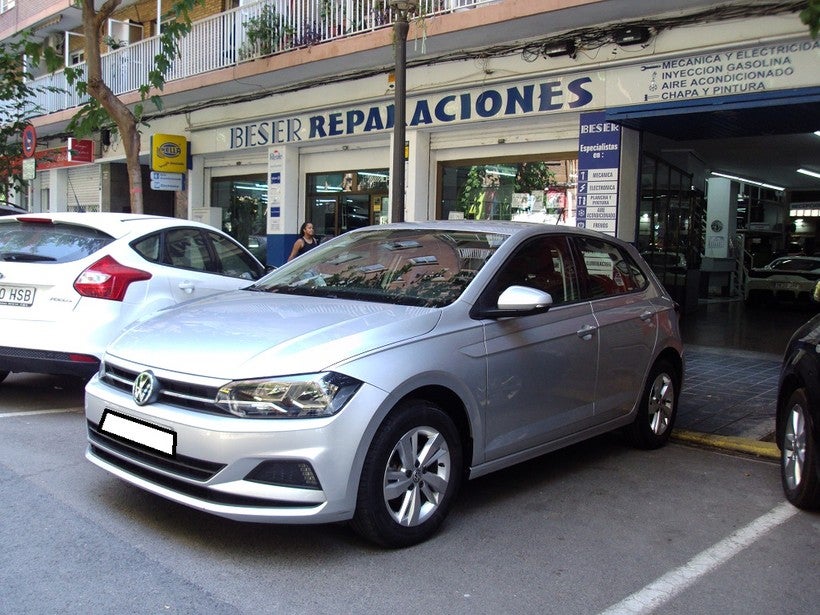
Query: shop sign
x=55, y=158
x=80, y=150
x=167, y=181
x=751, y=70
x=169, y=153
x=599, y=159
x=512, y=100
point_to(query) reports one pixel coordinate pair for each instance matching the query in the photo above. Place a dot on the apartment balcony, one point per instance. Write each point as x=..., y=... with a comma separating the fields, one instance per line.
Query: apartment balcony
x=268, y=44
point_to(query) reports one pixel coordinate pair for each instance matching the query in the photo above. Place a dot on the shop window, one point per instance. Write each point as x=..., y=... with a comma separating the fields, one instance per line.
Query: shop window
x=341, y=201
x=538, y=190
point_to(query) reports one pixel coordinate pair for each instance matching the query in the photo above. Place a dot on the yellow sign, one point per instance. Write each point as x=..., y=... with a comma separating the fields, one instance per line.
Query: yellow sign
x=169, y=153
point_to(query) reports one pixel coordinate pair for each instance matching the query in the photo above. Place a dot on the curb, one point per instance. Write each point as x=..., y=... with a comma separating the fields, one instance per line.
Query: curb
x=767, y=450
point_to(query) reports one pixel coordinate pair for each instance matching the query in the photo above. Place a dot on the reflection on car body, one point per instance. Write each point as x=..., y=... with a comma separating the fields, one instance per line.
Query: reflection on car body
x=364, y=380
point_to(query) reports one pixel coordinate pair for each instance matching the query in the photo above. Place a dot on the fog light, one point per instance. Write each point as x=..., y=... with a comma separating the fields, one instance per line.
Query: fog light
x=286, y=474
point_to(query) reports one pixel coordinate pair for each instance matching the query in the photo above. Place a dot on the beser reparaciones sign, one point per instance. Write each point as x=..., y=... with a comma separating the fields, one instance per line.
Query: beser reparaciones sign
x=471, y=105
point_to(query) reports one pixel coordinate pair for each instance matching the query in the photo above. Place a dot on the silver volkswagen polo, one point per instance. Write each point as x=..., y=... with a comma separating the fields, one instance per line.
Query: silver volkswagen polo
x=368, y=378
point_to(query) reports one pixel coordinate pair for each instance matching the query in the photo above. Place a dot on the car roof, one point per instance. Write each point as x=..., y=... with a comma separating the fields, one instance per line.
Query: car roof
x=116, y=224
x=7, y=209
x=502, y=227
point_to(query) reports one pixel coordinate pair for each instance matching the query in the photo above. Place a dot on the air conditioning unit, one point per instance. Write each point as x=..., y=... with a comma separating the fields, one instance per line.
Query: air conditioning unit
x=57, y=42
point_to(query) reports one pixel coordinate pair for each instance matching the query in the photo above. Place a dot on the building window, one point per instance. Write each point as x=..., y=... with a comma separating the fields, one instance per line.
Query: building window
x=536, y=190
x=5, y=5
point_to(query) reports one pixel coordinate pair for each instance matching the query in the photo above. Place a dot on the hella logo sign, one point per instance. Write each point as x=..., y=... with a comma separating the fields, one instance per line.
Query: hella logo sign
x=169, y=150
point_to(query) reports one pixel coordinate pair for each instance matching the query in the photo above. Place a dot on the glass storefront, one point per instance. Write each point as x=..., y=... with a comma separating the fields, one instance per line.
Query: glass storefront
x=671, y=227
x=536, y=190
x=243, y=200
x=342, y=201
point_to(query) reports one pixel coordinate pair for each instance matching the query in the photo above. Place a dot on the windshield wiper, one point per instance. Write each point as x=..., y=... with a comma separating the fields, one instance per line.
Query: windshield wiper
x=25, y=257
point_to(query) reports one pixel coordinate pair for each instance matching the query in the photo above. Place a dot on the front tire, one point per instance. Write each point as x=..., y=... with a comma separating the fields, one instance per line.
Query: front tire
x=798, y=454
x=410, y=477
x=658, y=408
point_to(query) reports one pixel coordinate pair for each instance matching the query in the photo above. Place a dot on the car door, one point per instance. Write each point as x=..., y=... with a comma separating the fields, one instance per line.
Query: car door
x=626, y=321
x=192, y=269
x=541, y=368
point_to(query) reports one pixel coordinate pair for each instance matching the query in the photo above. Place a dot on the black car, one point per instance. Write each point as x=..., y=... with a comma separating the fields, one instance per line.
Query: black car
x=7, y=209
x=798, y=417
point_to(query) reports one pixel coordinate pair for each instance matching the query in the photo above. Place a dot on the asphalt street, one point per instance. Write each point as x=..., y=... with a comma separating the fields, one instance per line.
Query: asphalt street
x=599, y=527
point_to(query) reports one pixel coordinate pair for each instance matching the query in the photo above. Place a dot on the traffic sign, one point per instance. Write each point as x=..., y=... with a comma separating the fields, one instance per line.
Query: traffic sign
x=29, y=141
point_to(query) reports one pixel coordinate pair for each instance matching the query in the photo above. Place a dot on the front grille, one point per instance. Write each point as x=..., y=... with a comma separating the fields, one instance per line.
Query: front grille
x=172, y=392
x=196, y=491
x=188, y=467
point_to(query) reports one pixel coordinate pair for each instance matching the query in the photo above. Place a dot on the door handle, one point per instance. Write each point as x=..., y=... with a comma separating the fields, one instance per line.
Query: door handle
x=647, y=315
x=585, y=332
x=187, y=286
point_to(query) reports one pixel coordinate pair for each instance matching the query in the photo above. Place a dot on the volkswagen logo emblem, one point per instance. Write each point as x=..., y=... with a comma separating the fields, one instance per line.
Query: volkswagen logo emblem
x=145, y=389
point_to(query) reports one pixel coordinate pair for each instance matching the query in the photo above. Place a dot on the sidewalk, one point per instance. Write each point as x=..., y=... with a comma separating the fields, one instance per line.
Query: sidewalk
x=728, y=400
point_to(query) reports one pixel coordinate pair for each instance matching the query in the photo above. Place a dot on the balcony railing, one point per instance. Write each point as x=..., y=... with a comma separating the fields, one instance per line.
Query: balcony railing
x=239, y=35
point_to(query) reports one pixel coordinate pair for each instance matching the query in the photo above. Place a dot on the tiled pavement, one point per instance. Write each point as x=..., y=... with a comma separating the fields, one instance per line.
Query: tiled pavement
x=729, y=393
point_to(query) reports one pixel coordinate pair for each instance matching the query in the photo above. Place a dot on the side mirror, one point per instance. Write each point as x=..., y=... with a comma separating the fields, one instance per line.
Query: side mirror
x=519, y=301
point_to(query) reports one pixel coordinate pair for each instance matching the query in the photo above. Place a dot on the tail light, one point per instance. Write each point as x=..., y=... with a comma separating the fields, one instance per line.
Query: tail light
x=107, y=279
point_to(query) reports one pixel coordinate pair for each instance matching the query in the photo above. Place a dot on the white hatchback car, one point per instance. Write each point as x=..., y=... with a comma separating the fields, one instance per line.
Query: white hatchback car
x=70, y=282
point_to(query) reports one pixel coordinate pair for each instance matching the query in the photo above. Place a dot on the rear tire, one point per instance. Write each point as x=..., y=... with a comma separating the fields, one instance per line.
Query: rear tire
x=658, y=408
x=410, y=477
x=798, y=454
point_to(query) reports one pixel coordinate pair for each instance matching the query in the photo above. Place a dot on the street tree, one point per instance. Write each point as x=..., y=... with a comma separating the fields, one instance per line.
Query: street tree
x=17, y=106
x=104, y=107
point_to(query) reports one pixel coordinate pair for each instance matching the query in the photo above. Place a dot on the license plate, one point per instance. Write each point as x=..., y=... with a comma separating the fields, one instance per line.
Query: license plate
x=786, y=286
x=16, y=295
x=139, y=432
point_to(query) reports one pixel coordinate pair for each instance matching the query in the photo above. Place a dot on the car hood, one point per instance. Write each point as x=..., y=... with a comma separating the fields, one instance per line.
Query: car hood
x=245, y=334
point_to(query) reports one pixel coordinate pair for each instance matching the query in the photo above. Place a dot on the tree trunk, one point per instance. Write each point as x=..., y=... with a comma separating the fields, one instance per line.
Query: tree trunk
x=126, y=121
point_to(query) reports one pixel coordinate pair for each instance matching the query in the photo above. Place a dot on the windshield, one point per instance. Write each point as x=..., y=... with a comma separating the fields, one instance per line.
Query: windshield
x=48, y=242
x=419, y=267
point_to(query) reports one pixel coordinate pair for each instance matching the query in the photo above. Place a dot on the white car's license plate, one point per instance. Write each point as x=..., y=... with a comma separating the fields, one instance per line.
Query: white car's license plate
x=139, y=432
x=16, y=295
x=786, y=286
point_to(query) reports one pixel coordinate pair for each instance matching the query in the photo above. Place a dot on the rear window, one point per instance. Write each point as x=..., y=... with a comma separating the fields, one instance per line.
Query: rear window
x=46, y=242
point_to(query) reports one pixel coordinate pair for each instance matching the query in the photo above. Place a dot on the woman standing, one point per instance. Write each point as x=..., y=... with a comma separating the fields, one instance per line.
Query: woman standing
x=307, y=241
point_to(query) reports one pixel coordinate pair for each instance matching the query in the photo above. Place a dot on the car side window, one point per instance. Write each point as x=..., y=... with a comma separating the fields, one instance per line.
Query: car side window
x=150, y=248
x=544, y=263
x=187, y=249
x=233, y=260
x=607, y=270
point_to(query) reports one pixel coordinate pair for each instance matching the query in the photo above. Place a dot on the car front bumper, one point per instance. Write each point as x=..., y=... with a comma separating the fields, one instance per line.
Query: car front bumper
x=215, y=454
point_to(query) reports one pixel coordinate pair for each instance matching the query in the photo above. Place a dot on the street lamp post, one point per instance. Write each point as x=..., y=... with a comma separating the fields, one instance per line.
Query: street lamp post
x=403, y=9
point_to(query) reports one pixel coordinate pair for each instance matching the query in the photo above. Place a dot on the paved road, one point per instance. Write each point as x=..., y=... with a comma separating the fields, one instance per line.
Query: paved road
x=598, y=526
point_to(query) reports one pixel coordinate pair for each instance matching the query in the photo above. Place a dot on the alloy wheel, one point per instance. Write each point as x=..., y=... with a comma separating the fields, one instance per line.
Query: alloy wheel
x=417, y=475
x=794, y=447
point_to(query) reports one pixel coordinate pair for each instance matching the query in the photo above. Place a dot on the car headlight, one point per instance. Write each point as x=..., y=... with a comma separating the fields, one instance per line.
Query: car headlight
x=291, y=397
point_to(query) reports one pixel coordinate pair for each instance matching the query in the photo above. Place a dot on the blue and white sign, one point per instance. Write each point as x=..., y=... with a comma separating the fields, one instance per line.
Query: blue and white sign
x=167, y=181
x=599, y=159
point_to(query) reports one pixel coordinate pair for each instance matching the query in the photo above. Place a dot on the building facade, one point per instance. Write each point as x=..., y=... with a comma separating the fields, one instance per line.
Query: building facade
x=604, y=114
